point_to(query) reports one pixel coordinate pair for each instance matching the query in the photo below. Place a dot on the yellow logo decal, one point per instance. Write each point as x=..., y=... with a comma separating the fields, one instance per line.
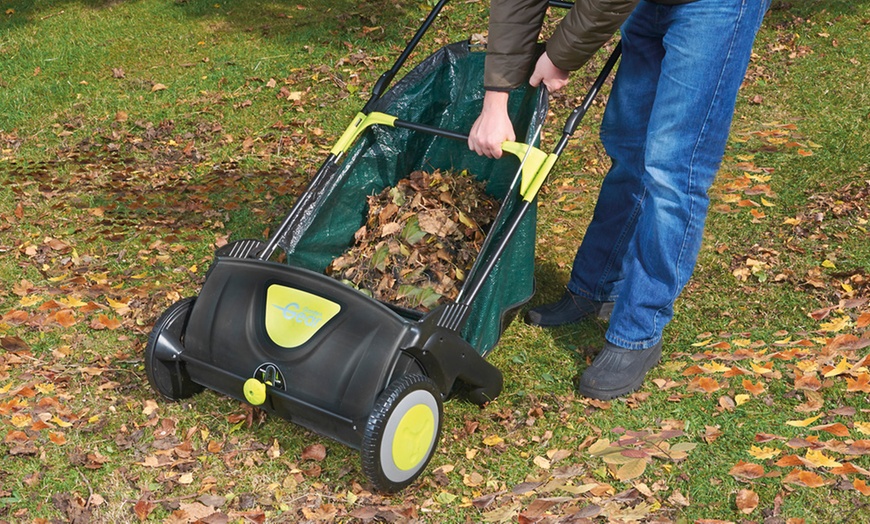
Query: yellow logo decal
x=293, y=316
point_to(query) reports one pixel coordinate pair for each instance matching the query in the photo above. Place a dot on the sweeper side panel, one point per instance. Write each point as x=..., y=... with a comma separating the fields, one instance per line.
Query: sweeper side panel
x=321, y=351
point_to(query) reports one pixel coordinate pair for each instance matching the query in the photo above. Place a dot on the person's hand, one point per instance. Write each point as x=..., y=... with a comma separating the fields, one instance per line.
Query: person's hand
x=547, y=72
x=492, y=127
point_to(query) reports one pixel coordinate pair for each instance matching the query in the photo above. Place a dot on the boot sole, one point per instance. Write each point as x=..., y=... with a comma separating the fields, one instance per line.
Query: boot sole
x=610, y=394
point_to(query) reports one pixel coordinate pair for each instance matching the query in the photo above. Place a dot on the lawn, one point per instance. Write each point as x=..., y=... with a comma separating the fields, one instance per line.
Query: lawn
x=137, y=137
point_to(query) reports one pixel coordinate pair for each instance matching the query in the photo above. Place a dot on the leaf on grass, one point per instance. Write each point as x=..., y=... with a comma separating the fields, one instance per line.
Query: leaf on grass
x=761, y=370
x=632, y=469
x=105, y=322
x=819, y=460
x=841, y=368
x=316, y=452
x=859, y=383
x=837, y=429
x=862, y=487
x=803, y=423
x=65, y=317
x=711, y=433
x=503, y=514
x=72, y=302
x=746, y=470
x=705, y=384
x=473, y=479
x=541, y=462
x=804, y=478
x=143, y=508
x=747, y=501
x=764, y=453
x=13, y=344
x=493, y=440
x=835, y=325
x=808, y=382
x=755, y=389
x=715, y=367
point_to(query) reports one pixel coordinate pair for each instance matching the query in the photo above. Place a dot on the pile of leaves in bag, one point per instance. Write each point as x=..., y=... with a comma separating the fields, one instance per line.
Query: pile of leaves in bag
x=420, y=238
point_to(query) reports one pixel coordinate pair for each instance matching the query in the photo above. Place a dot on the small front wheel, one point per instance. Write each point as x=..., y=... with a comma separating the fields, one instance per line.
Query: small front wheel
x=168, y=376
x=402, y=432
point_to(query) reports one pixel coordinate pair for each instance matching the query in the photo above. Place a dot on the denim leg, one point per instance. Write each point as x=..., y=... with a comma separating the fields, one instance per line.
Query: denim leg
x=706, y=48
x=598, y=265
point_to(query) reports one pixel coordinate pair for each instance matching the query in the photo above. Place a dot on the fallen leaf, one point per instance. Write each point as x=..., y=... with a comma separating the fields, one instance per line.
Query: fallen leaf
x=746, y=470
x=316, y=452
x=493, y=440
x=803, y=423
x=859, y=383
x=143, y=508
x=764, y=453
x=755, y=389
x=804, y=478
x=837, y=429
x=841, y=368
x=747, y=501
x=631, y=470
x=819, y=460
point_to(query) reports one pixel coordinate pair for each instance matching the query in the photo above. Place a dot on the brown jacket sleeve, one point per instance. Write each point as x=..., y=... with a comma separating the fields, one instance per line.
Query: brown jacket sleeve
x=514, y=27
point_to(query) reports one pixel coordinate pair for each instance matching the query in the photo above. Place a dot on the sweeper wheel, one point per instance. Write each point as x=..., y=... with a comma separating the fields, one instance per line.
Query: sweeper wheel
x=167, y=375
x=402, y=432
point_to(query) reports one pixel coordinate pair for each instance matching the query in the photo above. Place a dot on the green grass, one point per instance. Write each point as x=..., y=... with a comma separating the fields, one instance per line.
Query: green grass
x=140, y=185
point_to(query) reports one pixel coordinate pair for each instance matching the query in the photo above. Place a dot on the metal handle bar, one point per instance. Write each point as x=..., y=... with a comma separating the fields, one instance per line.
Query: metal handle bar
x=571, y=123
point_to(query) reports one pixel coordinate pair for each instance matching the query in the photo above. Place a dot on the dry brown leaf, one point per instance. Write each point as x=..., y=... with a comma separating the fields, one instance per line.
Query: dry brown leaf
x=747, y=501
x=804, y=478
x=859, y=383
x=316, y=452
x=862, y=487
x=632, y=469
x=754, y=389
x=837, y=429
x=746, y=470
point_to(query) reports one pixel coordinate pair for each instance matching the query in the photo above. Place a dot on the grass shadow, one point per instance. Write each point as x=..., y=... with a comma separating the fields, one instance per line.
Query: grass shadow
x=582, y=340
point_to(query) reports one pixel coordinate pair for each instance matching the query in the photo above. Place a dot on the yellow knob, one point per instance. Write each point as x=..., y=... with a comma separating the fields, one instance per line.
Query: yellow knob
x=255, y=391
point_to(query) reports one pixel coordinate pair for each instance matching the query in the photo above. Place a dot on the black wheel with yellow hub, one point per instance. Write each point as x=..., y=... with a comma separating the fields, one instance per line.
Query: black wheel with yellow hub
x=402, y=432
x=165, y=370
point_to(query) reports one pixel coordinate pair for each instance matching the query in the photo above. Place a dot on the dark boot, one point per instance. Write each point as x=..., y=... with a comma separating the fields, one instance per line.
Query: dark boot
x=617, y=371
x=570, y=308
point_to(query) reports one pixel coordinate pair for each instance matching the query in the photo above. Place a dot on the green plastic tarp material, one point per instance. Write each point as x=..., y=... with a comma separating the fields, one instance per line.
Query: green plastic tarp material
x=446, y=91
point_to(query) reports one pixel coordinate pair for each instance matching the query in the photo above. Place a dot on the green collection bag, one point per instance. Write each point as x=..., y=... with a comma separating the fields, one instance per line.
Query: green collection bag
x=445, y=91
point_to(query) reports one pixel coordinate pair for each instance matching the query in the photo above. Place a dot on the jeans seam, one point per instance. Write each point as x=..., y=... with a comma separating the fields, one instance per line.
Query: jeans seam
x=691, y=178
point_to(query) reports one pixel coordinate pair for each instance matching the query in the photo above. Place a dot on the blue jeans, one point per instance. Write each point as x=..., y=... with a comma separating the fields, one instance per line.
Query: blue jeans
x=665, y=129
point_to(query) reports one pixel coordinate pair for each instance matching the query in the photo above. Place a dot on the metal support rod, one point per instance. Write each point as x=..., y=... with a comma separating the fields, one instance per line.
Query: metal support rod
x=579, y=112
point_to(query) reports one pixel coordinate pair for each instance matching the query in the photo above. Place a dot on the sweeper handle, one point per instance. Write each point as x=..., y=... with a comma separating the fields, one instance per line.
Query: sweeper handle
x=528, y=189
x=536, y=163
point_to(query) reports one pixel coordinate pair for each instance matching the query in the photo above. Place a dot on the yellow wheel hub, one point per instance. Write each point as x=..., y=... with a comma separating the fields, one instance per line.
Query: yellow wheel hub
x=413, y=437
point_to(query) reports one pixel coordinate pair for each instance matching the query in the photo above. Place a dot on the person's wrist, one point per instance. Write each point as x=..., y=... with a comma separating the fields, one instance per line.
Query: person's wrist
x=495, y=99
